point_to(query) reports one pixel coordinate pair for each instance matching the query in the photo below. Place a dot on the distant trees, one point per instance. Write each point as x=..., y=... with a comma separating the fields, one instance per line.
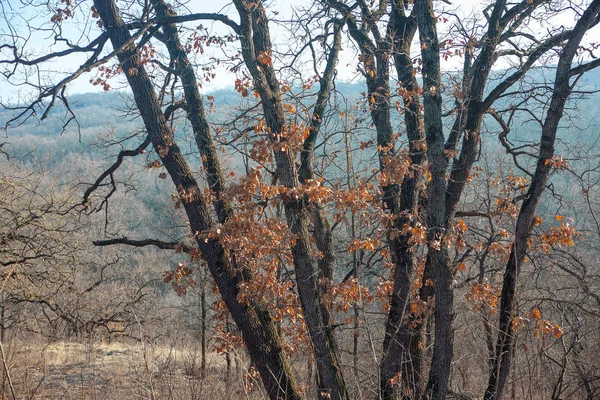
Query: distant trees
x=51, y=283
x=270, y=233
x=29, y=236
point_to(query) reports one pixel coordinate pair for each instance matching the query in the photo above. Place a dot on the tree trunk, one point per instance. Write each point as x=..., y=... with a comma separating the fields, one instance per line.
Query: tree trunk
x=254, y=321
x=402, y=346
x=505, y=343
x=195, y=110
x=437, y=255
x=203, y=321
x=256, y=41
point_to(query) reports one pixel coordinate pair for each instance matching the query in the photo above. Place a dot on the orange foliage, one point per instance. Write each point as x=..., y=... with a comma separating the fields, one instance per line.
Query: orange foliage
x=557, y=162
x=383, y=293
x=180, y=279
x=501, y=249
x=250, y=379
x=362, y=244
x=484, y=295
x=558, y=236
x=340, y=297
x=396, y=168
x=541, y=327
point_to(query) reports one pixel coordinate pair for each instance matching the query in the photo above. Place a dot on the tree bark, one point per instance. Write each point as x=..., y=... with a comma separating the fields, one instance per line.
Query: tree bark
x=258, y=330
x=322, y=229
x=256, y=42
x=501, y=364
x=195, y=110
x=469, y=118
x=402, y=346
x=437, y=254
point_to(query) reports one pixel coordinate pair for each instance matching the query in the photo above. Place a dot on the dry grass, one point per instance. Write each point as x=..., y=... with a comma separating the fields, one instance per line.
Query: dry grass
x=118, y=370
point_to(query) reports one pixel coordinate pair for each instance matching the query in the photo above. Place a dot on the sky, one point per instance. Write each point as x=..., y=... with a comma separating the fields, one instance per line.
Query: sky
x=41, y=43
x=17, y=17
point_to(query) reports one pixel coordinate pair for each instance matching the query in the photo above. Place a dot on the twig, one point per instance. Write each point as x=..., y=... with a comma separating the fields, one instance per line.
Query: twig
x=7, y=372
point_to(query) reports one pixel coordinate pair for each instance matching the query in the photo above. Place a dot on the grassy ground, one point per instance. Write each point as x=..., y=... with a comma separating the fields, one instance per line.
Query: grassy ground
x=118, y=370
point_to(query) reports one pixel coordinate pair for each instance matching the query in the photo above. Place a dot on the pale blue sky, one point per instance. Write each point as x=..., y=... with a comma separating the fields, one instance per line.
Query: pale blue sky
x=41, y=42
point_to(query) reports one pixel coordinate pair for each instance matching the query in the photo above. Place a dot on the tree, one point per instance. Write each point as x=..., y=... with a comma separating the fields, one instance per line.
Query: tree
x=51, y=283
x=471, y=104
x=421, y=180
x=525, y=221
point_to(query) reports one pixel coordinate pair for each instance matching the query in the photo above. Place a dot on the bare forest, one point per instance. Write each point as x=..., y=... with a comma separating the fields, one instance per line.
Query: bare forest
x=328, y=199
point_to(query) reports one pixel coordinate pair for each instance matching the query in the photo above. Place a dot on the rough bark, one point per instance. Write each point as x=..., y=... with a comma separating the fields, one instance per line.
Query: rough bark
x=505, y=343
x=402, y=350
x=476, y=77
x=194, y=109
x=322, y=229
x=437, y=257
x=256, y=42
x=323, y=96
x=258, y=330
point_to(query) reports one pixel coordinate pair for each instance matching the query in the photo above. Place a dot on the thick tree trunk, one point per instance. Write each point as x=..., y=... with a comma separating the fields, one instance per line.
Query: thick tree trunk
x=437, y=257
x=195, y=110
x=501, y=364
x=256, y=42
x=322, y=229
x=476, y=77
x=400, y=367
x=253, y=320
x=402, y=346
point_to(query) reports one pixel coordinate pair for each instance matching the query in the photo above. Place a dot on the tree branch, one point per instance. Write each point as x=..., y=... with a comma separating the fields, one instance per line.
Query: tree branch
x=175, y=19
x=110, y=171
x=143, y=243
